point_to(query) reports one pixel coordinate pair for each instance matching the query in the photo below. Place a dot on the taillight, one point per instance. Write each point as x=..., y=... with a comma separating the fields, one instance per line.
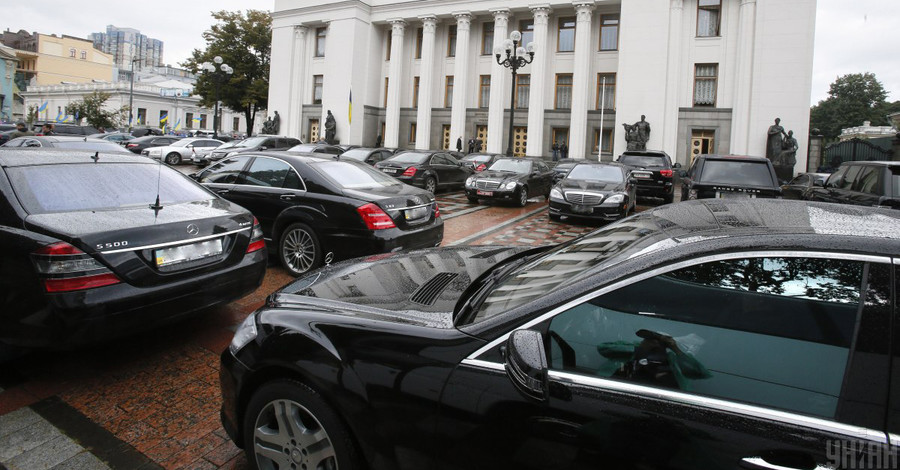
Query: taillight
x=374, y=217
x=666, y=173
x=437, y=211
x=481, y=167
x=411, y=171
x=65, y=268
x=131, y=146
x=256, y=238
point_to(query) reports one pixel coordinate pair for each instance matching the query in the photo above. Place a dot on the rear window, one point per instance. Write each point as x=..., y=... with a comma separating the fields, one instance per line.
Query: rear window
x=409, y=157
x=736, y=172
x=478, y=158
x=349, y=175
x=646, y=161
x=88, y=186
x=358, y=155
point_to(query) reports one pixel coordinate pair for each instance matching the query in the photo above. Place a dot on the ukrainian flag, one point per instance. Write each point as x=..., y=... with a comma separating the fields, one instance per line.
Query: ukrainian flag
x=178, y=124
x=350, y=108
x=43, y=107
x=162, y=122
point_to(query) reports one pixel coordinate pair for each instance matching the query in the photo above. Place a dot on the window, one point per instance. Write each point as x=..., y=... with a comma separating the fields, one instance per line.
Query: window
x=390, y=41
x=72, y=52
x=267, y=172
x=526, y=27
x=318, y=85
x=775, y=332
x=705, y=84
x=202, y=121
x=415, y=100
x=236, y=124
x=189, y=120
x=142, y=116
x=386, y=82
x=523, y=86
x=412, y=132
x=451, y=41
x=419, y=33
x=563, y=99
x=320, y=42
x=487, y=38
x=83, y=55
x=484, y=91
x=606, y=91
x=225, y=172
x=869, y=181
x=565, y=41
x=603, y=145
x=709, y=13
x=609, y=32
x=559, y=136
x=448, y=92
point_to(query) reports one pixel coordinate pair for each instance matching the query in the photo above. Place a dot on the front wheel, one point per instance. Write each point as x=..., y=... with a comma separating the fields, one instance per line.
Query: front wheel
x=289, y=426
x=173, y=158
x=523, y=196
x=299, y=250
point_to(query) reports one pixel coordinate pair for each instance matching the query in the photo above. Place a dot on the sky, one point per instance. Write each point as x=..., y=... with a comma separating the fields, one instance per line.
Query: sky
x=852, y=36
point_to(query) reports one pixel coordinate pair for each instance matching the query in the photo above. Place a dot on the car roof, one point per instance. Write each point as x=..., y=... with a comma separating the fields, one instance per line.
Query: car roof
x=646, y=153
x=872, y=163
x=591, y=162
x=731, y=157
x=304, y=157
x=15, y=157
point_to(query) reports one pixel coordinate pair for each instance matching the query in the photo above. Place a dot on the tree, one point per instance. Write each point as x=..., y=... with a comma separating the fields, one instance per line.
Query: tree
x=244, y=42
x=92, y=109
x=852, y=99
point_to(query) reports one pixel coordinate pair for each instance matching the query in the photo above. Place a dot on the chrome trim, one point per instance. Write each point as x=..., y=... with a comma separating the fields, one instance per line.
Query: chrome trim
x=479, y=364
x=759, y=462
x=894, y=438
x=672, y=267
x=415, y=207
x=180, y=242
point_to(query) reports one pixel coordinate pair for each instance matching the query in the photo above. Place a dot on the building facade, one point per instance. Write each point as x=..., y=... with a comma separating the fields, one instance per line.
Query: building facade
x=127, y=44
x=10, y=102
x=709, y=75
x=51, y=60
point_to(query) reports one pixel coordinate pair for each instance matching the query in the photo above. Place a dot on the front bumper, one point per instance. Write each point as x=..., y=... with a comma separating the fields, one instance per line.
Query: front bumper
x=231, y=373
x=495, y=194
x=601, y=212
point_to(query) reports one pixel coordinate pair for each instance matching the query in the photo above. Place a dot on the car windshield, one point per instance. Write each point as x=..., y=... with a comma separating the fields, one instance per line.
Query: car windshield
x=477, y=158
x=101, y=146
x=596, y=173
x=251, y=142
x=645, y=161
x=82, y=187
x=513, y=165
x=356, y=154
x=737, y=172
x=409, y=157
x=350, y=175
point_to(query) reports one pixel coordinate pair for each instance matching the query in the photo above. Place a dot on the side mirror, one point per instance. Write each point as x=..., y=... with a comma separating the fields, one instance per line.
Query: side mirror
x=526, y=363
x=264, y=148
x=676, y=165
x=682, y=174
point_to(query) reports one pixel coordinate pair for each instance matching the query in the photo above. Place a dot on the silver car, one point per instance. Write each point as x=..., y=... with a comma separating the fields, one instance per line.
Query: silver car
x=183, y=150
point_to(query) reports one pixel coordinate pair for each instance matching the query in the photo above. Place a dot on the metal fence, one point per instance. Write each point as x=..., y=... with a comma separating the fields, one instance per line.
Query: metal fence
x=851, y=151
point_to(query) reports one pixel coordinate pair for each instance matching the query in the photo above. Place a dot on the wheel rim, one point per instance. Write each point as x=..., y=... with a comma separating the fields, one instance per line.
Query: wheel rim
x=171, y=159
x=523, y=197
x=287, y=436
x=298, y=250
x=430, y=185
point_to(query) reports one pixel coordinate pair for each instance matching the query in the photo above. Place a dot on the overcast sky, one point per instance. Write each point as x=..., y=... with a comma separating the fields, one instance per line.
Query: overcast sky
x=852, y=36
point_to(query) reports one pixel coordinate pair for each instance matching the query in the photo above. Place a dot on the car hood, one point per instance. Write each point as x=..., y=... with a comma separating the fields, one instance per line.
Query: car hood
x=595, y=186
x=418, y=287
x=502, y=176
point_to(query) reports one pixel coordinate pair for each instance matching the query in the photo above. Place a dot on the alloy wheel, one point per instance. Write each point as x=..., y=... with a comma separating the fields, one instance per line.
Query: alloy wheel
x=298, y=249
x=431, y=185
x=287, y=435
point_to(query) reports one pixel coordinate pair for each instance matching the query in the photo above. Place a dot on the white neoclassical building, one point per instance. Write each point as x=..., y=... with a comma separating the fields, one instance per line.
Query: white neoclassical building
x=710, y=76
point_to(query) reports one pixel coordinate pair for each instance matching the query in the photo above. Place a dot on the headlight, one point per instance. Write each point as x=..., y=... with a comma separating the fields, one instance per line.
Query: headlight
x=245, y=333
x=556, y=194
x=153, y=151
x=510, y=185
x=615, y=199
x=692, y=194
x=470, y=181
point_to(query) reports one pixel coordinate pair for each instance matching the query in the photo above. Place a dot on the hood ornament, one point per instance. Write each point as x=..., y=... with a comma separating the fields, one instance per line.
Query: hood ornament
x=192, y=229
x=329, y=257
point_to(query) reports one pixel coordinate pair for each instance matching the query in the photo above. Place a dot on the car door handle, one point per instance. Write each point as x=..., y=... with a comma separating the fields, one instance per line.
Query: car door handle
x=221, y=191
x=760, y=463
x=287, y=197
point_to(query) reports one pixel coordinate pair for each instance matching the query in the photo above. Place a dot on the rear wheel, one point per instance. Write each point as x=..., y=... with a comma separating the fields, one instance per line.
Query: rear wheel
x=173, y=158
x=299, y=250
x=431, y=185
x=523, y=196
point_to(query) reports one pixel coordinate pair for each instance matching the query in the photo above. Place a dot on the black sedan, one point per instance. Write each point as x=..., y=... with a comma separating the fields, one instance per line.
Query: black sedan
x=802, y=185
x=480, y=161
x=65, y=142
x=431, y=170
x=313, y=208
x=367, y=155
x=101, y=245
x=511, y=179
x=704, y=334
x=561, y=169
x=654, y=172
x=147, y=141
x=595, y=191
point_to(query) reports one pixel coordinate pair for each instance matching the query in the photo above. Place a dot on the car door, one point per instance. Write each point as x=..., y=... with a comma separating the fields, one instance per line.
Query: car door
x=221, y=177
x=545, y=176
x=440, y=165
x=796, y=187
x=752, y=361
x=457, y=170
x=868, y=187
x=266, y=188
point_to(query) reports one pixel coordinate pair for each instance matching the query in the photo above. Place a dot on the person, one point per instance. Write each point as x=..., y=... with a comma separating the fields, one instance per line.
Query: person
x=47, y=129
x=459, y=144
x=563, y=151
x=656, y=360
x=643, y=132
x=555, y=149
x=774, y=141
x=378, y=141
x=21, y=131
x=330, y=128
x=471, y=144
x=276, y=123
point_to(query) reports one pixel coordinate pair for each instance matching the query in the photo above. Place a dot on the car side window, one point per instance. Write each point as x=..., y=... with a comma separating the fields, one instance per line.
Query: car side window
x=849, y=177
x=775, y=332
x=868, y=181
x=31, y=143
x=801, y=180
x=224, y=172
x=267, y=172
x=542, y=167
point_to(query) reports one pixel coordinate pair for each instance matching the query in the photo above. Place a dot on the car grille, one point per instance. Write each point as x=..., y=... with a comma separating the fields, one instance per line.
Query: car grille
x=584, y=199
x=483, y=184
x=428, y=293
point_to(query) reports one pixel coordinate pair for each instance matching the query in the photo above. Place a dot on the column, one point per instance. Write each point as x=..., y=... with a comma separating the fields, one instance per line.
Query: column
x=740, y=140
x=535, y=146
x=426, y=83
x=294, y=123
x=395, y=73
x=460, y=79
x=581, y=80
x=499, y=75
x=674, y=73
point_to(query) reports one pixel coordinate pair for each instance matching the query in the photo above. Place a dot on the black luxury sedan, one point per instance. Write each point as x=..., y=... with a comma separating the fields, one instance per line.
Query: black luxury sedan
x=802, y=185
x=596, y=191
x=367, y=155
x=701, y=335
x=864, y=183
x=654, y=172
x=511, y=179
x=100, y=245
x=480, y=161
x=65, y=142
x=312, y=207
x=138, y=144
x=561, y=169
x=729, y=177
x=431, y=170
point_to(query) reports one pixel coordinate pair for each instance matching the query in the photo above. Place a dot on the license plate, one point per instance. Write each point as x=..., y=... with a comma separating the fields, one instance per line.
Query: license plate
x=416, y=213
x=389, y=171
x=642, y=176
x=579, y=209
x=732, y=195
x=484, y=193
x=191, y=252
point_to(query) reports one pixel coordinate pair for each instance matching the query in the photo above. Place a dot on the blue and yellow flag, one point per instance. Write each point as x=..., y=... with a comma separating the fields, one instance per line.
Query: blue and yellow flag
x=43, y=107
x=350, y=108
x=178, y=124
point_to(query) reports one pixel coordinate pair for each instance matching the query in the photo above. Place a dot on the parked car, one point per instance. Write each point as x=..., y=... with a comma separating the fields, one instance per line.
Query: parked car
x=102, y=245
x=67, y=142
x=511, y=179
x=115, y=137
x=704, y=334
x=596, y=191
x=654, y=172
x=137, y=145
x=62, y=128
x=480, y=161
x=317, y=148
x=367, y=155
x=730, y=176
x=429, y=169
x=146, y=131
x=204, y=159
x=182, y=150
x=561, y=169
x=311, y=205
x=254, y=144
x=802, y=184
x=864, y=183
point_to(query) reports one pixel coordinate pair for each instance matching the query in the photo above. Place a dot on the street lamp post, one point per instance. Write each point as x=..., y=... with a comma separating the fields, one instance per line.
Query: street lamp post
x=219, y=72
x=515, y=59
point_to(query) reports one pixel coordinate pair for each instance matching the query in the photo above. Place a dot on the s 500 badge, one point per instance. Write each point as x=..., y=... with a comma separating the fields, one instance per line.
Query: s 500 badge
x=106, y=246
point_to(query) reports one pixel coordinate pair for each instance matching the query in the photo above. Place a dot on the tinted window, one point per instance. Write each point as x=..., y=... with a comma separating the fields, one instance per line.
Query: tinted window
x=95, y=146
x=869, y=180
x=770, y=331
x=353, y=176
x=801, y=180
x=836, y=177
x=356, y=154
x=224, y=172
x=410, y=157
x=515, y=166
x=440, y=160
x=849, y=177
x=596, y=173
x=78, y=187
x=542, y=167
x=645, y=161
x=895, y=181
x=267, y=172
x=741, y=173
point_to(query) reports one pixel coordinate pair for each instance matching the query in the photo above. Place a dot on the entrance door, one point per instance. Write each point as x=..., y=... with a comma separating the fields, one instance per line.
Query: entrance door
x=480, y=137
x=520, y=139
x=702, y=142
x=445, y=140
x=313, y=130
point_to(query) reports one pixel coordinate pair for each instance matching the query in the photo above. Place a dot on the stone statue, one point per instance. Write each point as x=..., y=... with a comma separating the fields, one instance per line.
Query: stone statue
x=787, y=158
x=643, y=133
x=330, y=128
x=276, y=123
x=632, y=137
x=267, y=127
x=775, y=140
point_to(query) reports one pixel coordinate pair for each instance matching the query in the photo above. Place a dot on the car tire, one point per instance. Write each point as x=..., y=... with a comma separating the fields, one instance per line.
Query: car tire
x=522, y=200
x=173, y=158
x=298, y=249
x=312, y=422
x=667, y=199
x=431, y=185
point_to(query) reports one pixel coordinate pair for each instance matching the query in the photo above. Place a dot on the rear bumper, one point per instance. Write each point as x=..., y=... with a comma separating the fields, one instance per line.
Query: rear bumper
x=346, y=245
x=655, y=189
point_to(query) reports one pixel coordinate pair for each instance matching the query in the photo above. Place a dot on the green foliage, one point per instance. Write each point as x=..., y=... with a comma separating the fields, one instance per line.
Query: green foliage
x=852, y=99
x=244, y=41
x=31, y=114
x=92, y=109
